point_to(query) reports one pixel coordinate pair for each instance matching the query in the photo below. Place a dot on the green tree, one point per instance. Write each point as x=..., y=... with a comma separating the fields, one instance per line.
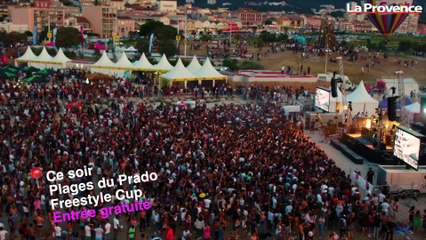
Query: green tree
x=404, y=45
x=161, y=31
x=166, y=32
x=381, y=46
x=268, y=37
x=232, y=64
x=28, y=33
x=282, y=37
x=67, y=37
x=37, y=50
x=167, y=47
x=258, y=41
x=251, y=65
x=142, y=45
x=205, y=38
x=268, y=22
x=12, y=38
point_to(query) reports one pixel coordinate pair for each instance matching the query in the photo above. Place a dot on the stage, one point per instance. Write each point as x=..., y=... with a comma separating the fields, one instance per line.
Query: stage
x=367, y=150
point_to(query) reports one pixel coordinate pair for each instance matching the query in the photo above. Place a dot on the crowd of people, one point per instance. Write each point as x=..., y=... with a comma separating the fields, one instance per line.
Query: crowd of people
x=223, y=171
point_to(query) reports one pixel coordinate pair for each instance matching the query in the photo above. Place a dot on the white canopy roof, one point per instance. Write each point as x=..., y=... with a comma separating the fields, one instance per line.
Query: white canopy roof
x=163, y=64
x=208, y=72
x=194, y=66
x=143, y=63
x=44, y=56
x=104, y=61
x=360, y=95
x=179, y=73
x=413, y=108
x=131, y=48
x=124, y=62
x=60, y=57
x=28, y=55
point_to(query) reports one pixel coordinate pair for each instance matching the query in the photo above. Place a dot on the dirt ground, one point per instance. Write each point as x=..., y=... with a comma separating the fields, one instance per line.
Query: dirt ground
x=353, y=70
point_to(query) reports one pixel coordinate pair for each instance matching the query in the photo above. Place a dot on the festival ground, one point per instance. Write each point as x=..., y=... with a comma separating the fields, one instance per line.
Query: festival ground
x=386, y=68
x=318, y=138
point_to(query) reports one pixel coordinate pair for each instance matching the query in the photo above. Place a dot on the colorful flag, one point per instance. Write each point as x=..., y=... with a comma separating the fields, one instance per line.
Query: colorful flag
x=151, y=39
x=82, y=36
x=35, y=34
x=55, y=31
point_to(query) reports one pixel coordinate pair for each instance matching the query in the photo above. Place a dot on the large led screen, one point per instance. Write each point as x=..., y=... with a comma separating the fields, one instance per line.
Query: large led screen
x=407, y=147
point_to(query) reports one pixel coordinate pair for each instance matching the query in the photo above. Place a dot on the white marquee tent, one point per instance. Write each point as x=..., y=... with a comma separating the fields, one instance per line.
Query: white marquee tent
x=103, y=65
x=122, y=66
x=124, y=63
x=179, y=73
x=44, y=60
x=28, y=56
x=143, y=64
x=61, y=58
x=194, y=66
x=208, y=72
x=163, y=65
x=362, y=101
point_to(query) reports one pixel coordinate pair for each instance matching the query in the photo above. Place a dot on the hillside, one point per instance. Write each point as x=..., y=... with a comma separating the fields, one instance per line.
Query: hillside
x=298, y=6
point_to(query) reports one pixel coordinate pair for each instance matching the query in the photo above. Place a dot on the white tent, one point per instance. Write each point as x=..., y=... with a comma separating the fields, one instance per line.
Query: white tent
x=104, y=61
x=61, y=58
x=208, y=72
x=131, y=49
x=44, y=60
x=413, y=108
x=44, y=56
x=28, y=56
x=103, y=65
x=124, y=63
x=179, y=73
x=122, y=66
x=143, y=64
x=194, y=66
x=410, y=85
x=362, y=101
x=163, y=64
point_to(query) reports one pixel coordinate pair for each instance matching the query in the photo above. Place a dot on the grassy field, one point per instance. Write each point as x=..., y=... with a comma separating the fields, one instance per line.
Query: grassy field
x=386, y=68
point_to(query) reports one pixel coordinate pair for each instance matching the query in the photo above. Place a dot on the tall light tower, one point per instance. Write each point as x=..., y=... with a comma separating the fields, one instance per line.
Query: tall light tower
x=346, y=109
x=401, y=92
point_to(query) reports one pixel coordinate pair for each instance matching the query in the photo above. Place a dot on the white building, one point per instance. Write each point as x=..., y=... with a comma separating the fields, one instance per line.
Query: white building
x=167, y=5
x=211, y=2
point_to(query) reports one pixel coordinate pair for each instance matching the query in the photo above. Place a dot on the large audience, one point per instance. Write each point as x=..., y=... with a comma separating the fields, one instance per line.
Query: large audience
x=223, y=171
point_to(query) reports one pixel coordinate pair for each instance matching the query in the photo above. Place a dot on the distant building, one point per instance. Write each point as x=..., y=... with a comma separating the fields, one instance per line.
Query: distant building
x=249, y=17
x=92, y=2
x=42, y=3
x=103, y=19
x=189, y=1
x=409, y=25
x=167, y=5
x=41, y=17
x=211, y=2
x=125, y=25
x=119, y=4
x=421, y=29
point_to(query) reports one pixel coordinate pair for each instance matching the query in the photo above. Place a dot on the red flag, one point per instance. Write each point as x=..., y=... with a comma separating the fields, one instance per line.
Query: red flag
x=82, y=36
